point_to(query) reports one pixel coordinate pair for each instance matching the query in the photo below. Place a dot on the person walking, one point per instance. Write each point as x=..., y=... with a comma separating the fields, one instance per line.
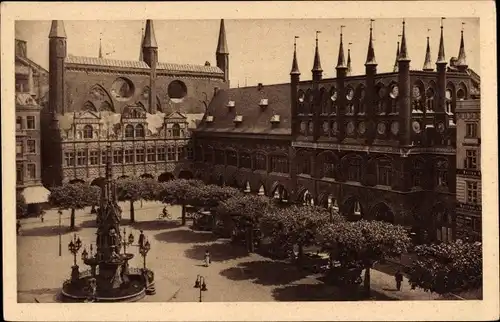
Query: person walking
x=207, y=258
x=141, y=238
x=399, y=279
x=42, y=214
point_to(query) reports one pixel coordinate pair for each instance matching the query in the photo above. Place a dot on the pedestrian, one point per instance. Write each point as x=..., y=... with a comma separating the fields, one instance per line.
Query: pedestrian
x=399, y=278
x=18, y=227
x=42, y=213
x=141, y=238
x=207, y=258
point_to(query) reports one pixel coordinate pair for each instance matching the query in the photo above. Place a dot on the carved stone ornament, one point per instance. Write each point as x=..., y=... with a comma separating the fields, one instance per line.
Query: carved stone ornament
x=326, y=127
x=333, y=97
x=335, y=127
x=394, y=91
x=311, y=126
x=350, y=94
x=381, y=127
x=395, y=128
x=416, y=127
x=303, y=127
x=350, y=128
x=440, y=127
x=361, y=127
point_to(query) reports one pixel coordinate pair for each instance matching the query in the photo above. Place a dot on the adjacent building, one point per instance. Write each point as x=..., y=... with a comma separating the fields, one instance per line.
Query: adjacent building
x=31, y=85
x=144, y=110
x=376, y=146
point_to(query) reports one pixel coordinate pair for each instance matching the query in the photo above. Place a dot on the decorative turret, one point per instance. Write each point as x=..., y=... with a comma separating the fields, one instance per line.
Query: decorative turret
x=150, y=55
x=57, y=54
x=404, y=87
x=462, y=61
x=341, y=100
x=100, y=47
x=317, y=71
x=222, y=52
x=441, y=60
x=370, y=56
x=294, y=84
x=141, y=56
x=349, y=68
x=441, y=77
x=427, y=64
x=395, y=69
x=295, y=65
x=341, y=59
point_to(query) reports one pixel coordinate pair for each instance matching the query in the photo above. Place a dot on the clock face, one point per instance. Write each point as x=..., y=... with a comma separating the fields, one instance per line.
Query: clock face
x=350, y=128
x=416, y=92
x=361, y=127
x=440, y=127
x=395, y=128
x=350, y=94
x=416, y=127
x=333, y=97
x=381, y=128
x=326, y=127
x=394, y=91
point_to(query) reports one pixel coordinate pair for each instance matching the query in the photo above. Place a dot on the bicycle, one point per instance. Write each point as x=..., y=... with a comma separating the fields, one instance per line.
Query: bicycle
x=165, y=215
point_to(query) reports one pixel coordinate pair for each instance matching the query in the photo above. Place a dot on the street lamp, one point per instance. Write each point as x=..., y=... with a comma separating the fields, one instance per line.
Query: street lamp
x=200, y=283
x=126, y=241
x=74, y=246
x=144, y=249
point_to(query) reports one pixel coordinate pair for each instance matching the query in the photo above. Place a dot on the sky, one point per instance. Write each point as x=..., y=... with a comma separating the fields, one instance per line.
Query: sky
x=260, y=51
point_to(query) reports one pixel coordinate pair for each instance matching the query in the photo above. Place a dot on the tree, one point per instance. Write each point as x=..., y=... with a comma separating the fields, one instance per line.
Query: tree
x=448, y=267
x=180, y=192
x=245, y=211
x=21, y=206
x=363, y=243
x=135, y=189
x=295, y=225
x=73, y=196
x=210, y=196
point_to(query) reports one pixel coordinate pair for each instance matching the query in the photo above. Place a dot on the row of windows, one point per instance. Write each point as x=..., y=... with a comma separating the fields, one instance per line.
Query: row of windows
x=127, y=156
x=470, y=161
x=278, y=164
x=30, y=172
x=132, y=132
x=30, y=147
x=30, y=123
x=472, y=192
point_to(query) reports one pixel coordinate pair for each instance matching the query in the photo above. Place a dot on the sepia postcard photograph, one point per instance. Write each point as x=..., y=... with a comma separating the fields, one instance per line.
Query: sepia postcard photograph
x=250, y=161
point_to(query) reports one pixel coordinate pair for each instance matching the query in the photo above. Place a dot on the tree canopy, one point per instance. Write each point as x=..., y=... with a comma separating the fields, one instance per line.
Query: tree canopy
x=21, y=206
x=244, y=207
x=447, y=267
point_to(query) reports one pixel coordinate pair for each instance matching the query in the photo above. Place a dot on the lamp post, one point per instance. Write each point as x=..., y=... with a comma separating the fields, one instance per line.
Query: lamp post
x=59, y=212
x=200, y=283
x=143, y=250
x=127, y=241
x=74, y=246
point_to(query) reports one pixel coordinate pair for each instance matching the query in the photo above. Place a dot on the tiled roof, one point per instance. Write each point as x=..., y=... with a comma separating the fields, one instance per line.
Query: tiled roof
x=94, y=61
x=256, y=119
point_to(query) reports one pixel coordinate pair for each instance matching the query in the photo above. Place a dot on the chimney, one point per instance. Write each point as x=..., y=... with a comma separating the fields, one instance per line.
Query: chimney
x=260, y=86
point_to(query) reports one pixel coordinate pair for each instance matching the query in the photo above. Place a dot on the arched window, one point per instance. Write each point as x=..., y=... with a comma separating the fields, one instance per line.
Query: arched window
x=260, y=162
x=381, y=97
x=429, y=99
x=384, y=172
x=324, y=106
x=329, y=166
x=88, y=132
x=393, y=98
x=301, y=100
x=245, y=160
x=129, y=131
x=361, y=100
x=333, y=101
x=308, y=102
x=418, y=97
x=139, y=131
x=304, y=164
x=354, y=169
x=279, y=164
x=449, y=101
x=176, y=130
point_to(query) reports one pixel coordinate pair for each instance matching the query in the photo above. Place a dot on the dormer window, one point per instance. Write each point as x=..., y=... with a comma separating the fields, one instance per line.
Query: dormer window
x=238, y=119
x=275, y=118
x=263, y=103
x=231, y=104
x=210, y=119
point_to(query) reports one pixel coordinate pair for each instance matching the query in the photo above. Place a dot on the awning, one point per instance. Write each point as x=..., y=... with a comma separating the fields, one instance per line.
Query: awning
x=36, y=194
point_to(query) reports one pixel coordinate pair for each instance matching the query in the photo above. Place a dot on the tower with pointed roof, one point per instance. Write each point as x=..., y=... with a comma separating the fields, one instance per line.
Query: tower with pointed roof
x=222, y=52
x=294, y=87
x=427, y=63
x=317, y=75
x=150, y=55
x=57, y=55
x=441, y=82
x=141, y=56
x=404, y=95
x=349, y=67
x=396, y=69
x=462, y=61
x=341, y=69
x=371, y=71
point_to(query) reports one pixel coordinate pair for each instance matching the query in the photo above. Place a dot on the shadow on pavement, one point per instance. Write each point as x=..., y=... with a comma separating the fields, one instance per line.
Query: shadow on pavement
x=185, y=236
x=48, y=231
x=219, y=251
x=321, y=292
x=265, y=272
x=91, y=223
x=152, y=225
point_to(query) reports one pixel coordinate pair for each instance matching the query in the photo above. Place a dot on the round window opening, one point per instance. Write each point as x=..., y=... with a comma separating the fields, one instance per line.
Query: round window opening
x=177, y=90
x=122, y=89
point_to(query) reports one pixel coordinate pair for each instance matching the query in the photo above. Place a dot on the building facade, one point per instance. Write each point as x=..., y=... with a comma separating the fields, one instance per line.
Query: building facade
x=31, y=82
x=145, y=110
x=377, y=146
x=468, y=223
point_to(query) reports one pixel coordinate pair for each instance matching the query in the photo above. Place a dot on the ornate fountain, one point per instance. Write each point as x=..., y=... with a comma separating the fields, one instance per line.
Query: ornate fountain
x=110, y=278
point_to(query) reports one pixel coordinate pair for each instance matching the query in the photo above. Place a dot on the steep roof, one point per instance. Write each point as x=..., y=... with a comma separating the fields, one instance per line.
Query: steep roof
x=255, y=119
x=94, y=61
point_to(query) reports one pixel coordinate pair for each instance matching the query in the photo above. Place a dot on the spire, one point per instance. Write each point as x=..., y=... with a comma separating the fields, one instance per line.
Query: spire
x=100, y=46
x=370, y=56
x=441, y=57
x=462, y=62
x=295, y=65
x=396, y=67
x=317, y=60
x=427, y=64
x=341, y=60
x=149, y=36
x=403, y=52
x=222, y=43
x=57, y=29
x=349, y=69
x=141, y=56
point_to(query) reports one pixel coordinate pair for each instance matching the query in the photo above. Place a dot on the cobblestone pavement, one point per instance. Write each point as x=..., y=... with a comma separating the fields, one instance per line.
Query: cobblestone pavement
x=176, y=258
